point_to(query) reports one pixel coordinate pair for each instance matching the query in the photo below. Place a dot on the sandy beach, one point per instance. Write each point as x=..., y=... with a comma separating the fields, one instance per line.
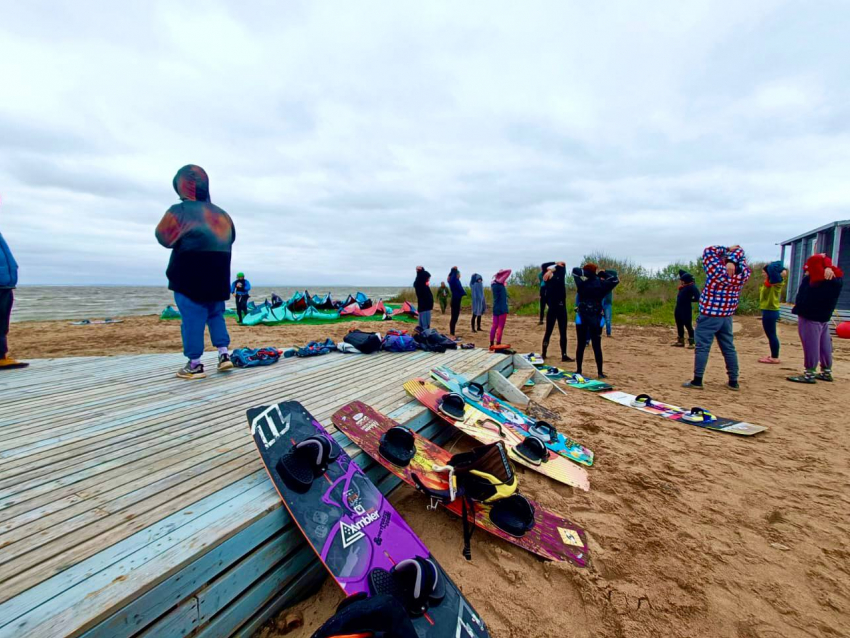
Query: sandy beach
x=693, y=533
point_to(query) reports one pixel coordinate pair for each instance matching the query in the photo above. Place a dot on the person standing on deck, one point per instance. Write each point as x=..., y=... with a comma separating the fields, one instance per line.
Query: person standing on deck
x=556, y=300
x=726, y=272
x=479, y=304
x=8, y=282
x=424, y=297
x=241, y=289
x=458, y=293
x=770, y=294
x=200, y=236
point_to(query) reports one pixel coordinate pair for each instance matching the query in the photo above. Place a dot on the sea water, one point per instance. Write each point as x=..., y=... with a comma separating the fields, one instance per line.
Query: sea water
x=41, y=303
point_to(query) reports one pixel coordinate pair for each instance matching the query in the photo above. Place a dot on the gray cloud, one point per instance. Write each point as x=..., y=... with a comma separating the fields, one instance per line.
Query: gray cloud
x=351, y=146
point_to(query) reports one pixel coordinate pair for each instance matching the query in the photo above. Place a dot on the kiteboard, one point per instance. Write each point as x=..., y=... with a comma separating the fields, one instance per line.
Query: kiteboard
x=485, y=429
x=506, y=414
x=360, y=538
x=695, y=416
x=572, y=379
x=552, y=536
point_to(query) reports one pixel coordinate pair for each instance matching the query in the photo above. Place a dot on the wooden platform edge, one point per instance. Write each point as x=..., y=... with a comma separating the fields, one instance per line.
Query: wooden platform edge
x=237, y=586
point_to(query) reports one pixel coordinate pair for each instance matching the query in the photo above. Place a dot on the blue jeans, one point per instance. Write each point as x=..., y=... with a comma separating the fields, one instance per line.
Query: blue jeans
x=195, y=316
x=709, y=328
x=606, y=314
x=769, y=318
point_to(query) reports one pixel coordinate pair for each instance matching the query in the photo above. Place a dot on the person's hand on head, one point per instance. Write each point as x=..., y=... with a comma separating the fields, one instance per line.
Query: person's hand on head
x=418, y=268
x=735, y=247
x=562, y=264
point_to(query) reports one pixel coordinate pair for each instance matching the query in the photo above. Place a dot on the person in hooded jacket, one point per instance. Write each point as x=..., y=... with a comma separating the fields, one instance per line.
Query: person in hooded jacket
x=592, y=291
x=770, y=295
x=200, y=236
x=556, y=302
x=684, y=312
x=424, y=297
x=8, y=282
x=241, y=289
x=500, y=306
x=479, y=304
x=817, y=297
x=458, y=293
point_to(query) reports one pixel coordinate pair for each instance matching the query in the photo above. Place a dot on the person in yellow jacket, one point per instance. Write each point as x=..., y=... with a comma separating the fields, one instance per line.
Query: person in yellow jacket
x=770, y=295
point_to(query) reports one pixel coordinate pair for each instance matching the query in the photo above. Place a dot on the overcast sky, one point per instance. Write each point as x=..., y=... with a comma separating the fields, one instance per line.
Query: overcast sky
x=351, y=141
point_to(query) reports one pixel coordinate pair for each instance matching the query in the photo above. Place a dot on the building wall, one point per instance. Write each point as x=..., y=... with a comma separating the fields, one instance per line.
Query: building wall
x=844, y=264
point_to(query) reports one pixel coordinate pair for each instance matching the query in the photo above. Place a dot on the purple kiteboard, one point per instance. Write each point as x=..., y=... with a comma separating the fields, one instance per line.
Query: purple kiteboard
x=363, y=542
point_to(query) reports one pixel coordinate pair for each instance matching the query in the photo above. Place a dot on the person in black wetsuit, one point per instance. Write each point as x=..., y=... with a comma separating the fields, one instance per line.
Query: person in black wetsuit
x=687, y=296
x=592, y=290
x=556, y=300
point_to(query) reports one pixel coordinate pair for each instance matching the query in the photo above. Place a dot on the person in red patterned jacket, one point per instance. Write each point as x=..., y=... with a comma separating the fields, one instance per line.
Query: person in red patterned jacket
x=726, y=272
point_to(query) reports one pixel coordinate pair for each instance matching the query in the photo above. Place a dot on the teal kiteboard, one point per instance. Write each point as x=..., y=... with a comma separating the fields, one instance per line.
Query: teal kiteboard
x=508, y=415
x=572, y=379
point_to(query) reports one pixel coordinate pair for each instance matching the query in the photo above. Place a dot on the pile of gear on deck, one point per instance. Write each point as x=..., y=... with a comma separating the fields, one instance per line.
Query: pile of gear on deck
x=302, y=307
x=355, y=342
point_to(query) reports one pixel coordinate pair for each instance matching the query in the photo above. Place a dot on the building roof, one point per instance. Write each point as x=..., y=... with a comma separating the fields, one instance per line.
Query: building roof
x=845, y=222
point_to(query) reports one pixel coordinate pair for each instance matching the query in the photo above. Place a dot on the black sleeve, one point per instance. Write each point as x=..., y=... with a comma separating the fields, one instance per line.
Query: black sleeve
x=695, y=295
x=609, y=284
x=545, y=266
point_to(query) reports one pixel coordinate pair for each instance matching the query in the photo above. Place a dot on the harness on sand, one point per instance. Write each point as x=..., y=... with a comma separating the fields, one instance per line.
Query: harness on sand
x=483, y=475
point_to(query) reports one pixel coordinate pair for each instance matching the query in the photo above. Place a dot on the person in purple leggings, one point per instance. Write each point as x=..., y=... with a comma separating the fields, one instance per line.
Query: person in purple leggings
x=500, y=306
x=816, y=300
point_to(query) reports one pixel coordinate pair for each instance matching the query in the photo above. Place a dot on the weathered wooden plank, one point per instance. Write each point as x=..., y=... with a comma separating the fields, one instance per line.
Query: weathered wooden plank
x=260, y=593
x=507, y=390
x=139, y=612
x=133, y=554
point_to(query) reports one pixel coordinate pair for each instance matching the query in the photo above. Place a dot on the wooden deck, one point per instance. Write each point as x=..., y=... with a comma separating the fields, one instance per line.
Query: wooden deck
x=133, y=503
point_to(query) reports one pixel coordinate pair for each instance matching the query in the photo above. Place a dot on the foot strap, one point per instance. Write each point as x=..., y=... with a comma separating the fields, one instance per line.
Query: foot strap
x=306, y=461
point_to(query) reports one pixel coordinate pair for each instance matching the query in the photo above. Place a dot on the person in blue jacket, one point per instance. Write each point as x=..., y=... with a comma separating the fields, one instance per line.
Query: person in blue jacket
x=241, y=288
x=8, y=282
x=458, y=293
x=200, y=236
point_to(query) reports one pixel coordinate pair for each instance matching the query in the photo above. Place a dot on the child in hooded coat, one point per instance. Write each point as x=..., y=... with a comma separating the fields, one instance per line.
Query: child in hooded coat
x=479, y=305
x=500, y=305
x=684, y=313
x=816, y=300
x=770, y=294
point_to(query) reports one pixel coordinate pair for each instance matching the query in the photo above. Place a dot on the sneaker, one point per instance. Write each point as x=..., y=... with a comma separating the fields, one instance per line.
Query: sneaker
x=733, y=385
x=224, y=362
x=679, y=343
x=567, y=359
x=692, y=385
x=691, y=344
x=806, y=377
x=825, y=375
x=188, y=372
x=8, y=363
